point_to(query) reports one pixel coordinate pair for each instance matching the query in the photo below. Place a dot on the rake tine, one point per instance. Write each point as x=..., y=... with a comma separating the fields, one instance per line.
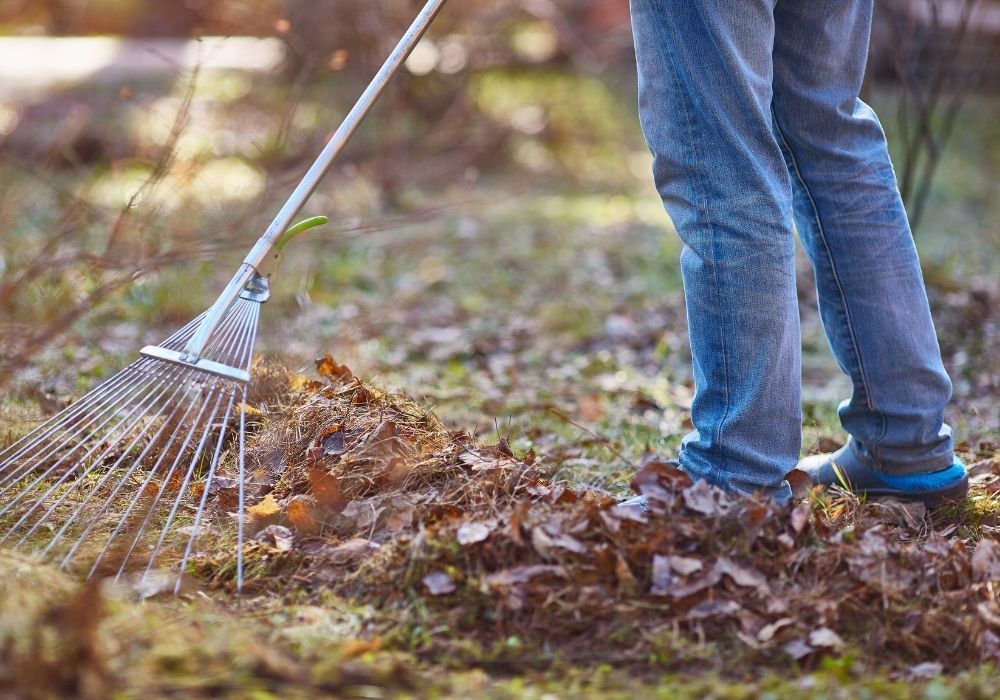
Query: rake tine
x=94, y=464
x=97, y=487
x=124, y=480
x=152, y=472
x=142, y=489
x=114, y=399
x=245, y=343
x=60, y=418
x=241, y=507
x=188, y=386
x=196, y=423
x=204, y=498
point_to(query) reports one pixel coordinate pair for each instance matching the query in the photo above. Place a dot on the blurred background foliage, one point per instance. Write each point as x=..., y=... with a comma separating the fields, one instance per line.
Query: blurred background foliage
x=501, y=188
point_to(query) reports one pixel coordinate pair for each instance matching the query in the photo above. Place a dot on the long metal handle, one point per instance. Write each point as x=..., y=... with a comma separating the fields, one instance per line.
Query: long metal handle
x=262, y=249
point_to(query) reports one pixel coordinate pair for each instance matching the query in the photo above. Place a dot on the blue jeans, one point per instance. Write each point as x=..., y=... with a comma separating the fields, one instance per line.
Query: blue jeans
x=751, y=111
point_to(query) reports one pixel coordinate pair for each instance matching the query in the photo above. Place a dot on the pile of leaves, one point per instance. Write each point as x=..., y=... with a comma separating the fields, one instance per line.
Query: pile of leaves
x=365, y=493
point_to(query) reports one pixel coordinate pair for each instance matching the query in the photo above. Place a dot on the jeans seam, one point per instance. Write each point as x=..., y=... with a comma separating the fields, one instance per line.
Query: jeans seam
x=703, y=212
x=869, y=397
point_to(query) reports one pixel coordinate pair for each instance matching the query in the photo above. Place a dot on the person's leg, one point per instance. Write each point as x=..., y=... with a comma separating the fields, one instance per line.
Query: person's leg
x=853, y=225
x=704, y=101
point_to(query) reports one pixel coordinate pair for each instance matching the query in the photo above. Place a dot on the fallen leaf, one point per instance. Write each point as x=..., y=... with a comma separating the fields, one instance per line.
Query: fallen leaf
x=824, y=637
x=702, y=497
x=300, y=515
x=797, y=649
x=523, y=574
x=623, y=573
x=662, y=577
x=928, y=669
x=222, y=483
x=799, y=482
x=741, y=575
x=800, y=517
x=655, y=472
x=666, y=580
x=986, y=560
x=327, y=367
x=346, y=553
x=399, y=513
x=713, y=608
x=363, y=512
x=685, y=566
x=544, y=543
x=470, y=533
x=767, y=632
x=359, y=647
x=439, y=583
x=325, y=488
x=280, y=536
x=265, y=510
x=332, y=441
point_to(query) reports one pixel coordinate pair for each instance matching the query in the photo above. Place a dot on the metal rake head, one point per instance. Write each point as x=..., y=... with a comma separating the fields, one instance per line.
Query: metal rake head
x=119, y=482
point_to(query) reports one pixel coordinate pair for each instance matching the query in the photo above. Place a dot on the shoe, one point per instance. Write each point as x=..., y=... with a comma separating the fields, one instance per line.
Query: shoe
x=846, y=470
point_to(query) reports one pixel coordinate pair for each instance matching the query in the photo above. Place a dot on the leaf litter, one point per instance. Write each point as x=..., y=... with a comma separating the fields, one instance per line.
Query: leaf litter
x=367, y=494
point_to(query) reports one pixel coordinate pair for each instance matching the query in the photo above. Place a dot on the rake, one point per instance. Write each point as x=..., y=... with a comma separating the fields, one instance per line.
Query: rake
x=123, y=476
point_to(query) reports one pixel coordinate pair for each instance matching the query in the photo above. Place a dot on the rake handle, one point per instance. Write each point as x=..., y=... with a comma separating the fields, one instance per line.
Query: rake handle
x=282, y=221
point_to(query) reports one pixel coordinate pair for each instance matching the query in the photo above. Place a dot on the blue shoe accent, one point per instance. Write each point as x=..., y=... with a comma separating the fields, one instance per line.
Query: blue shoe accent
x=845, y=469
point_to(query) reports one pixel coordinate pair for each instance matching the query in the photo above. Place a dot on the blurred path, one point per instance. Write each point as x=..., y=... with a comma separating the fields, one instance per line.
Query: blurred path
x=31, y=66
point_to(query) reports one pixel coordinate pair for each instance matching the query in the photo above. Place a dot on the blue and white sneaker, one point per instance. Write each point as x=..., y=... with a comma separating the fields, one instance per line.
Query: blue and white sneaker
x=845, y=469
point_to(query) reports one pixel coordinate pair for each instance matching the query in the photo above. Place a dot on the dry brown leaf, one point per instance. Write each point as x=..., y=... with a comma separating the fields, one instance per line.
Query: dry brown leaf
x=656, y=472
x=741, y=575
x=265, y=510
x=545, y=543
x=364, y=512
x=360, y=647
x=825, y=638
x=767, y=632
x=327, y=367
x=470, y=533
x=280, y=536
x=685, y=566
x=986, y=560
x=797, y=649
x=701, y=497
x=399, y=513
x=325, y=488
x=523, y=574
x=346, y=553
x=301, y=516
x=800, y=517
x=439, y=583
x=799, y=482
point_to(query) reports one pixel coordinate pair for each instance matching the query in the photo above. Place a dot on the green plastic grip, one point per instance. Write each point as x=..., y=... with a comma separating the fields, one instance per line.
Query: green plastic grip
x=298, y=228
